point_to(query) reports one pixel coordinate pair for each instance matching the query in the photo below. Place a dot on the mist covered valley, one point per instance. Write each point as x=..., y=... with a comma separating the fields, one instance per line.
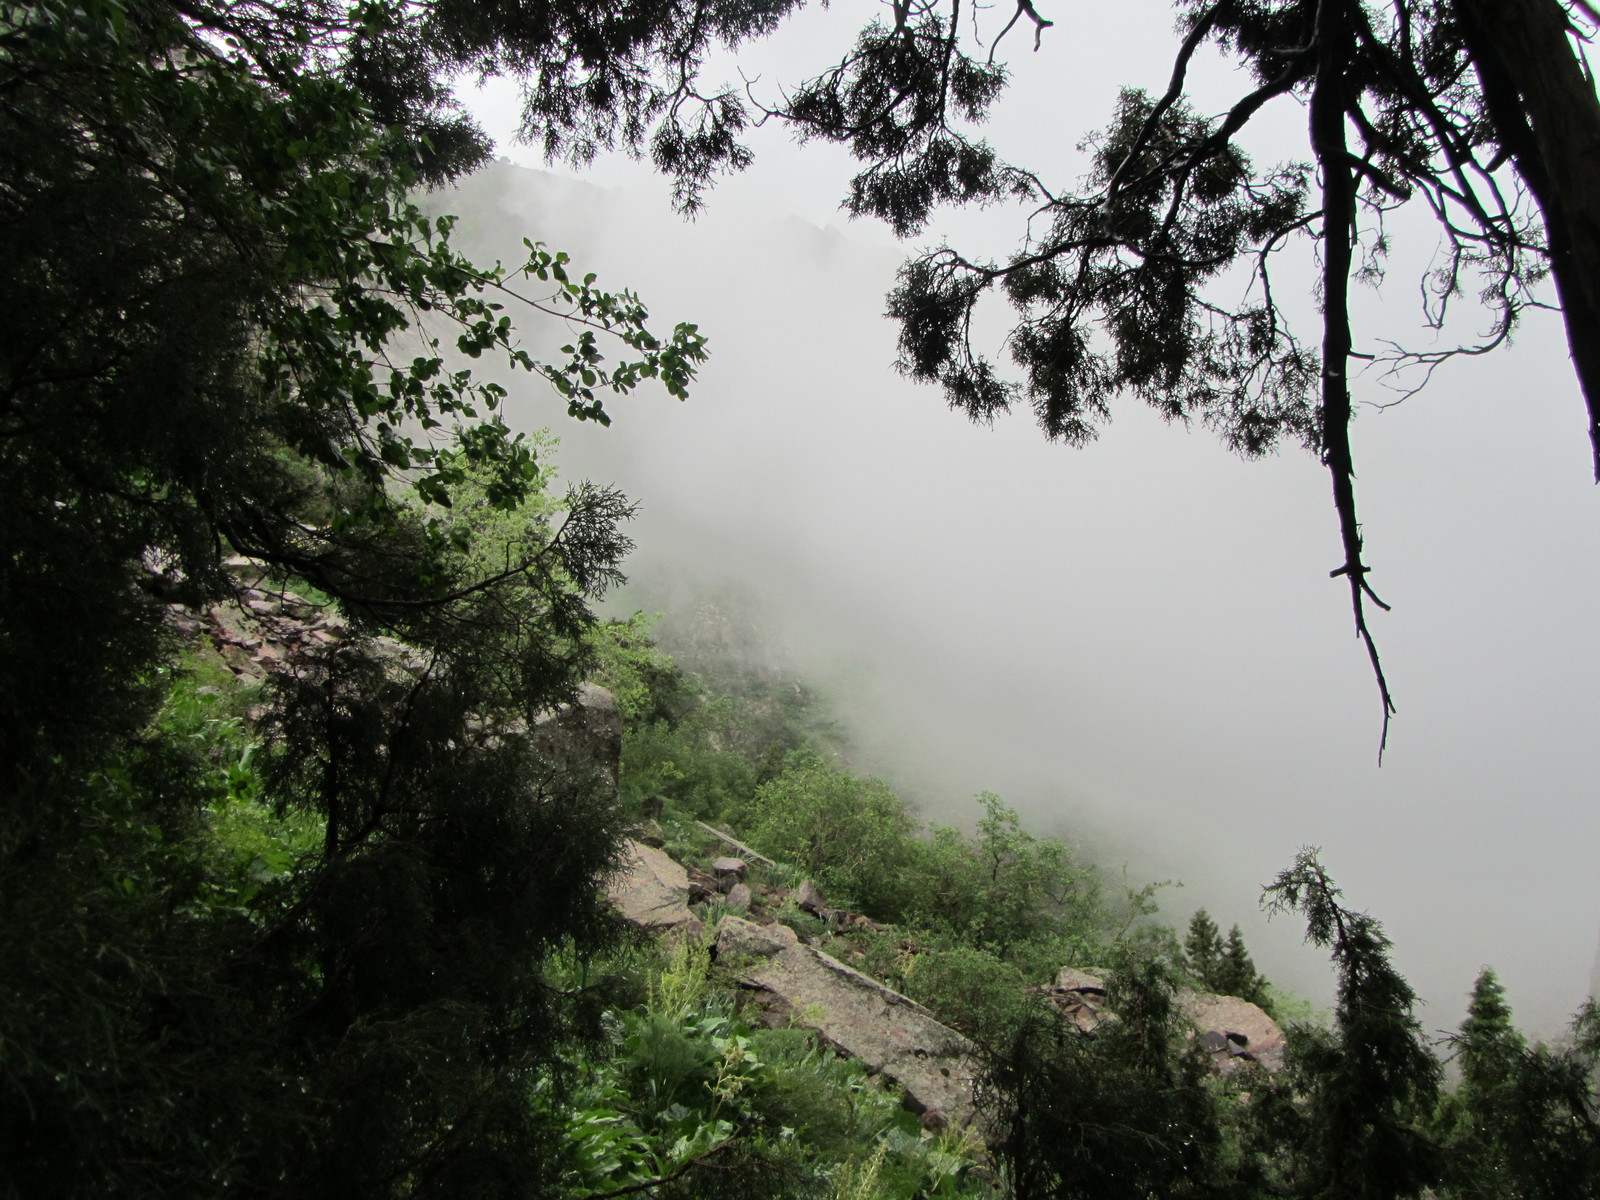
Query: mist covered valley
x=1135, y=644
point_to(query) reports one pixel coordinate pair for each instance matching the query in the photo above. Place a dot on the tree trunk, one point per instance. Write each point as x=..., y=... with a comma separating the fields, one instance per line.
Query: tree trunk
x=1545, y=110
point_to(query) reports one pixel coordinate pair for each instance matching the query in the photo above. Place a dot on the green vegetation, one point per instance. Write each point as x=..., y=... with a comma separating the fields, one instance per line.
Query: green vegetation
x=335, y=927
x=698, y=1098
x=972, y=924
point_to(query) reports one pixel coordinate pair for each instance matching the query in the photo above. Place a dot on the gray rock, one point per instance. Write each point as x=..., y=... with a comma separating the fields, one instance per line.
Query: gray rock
x=891, y=1034
x=728, y=871
x=1076, y=979
x=650, y=834
x=652, y=890
x=808, y=898
x=739, y=895
x=1233, y=1030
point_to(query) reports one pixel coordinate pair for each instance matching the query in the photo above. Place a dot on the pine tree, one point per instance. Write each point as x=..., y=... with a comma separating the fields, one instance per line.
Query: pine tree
x=1236, y=973
x=1525, y=1121
x=1202, y=948
x=1363, y=1090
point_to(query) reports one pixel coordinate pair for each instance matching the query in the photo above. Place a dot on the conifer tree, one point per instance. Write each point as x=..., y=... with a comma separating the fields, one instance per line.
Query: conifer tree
x=215, y=345
x=1236, y=973
x=1122, y=1111
x=1202, y=948
x=1524, y=1121
x=1362, y=1091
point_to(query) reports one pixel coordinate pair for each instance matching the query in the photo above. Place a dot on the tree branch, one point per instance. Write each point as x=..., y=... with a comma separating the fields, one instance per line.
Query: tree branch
x=1328, y=107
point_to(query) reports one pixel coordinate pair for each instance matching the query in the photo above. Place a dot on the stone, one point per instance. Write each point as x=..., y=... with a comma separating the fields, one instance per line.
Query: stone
x=728, y=871
x=808, y=898
x=650, y=834
x=892, y=1035
x=739, y=895
x=1233, y=1031
x=1076, y=979
x=652, y=890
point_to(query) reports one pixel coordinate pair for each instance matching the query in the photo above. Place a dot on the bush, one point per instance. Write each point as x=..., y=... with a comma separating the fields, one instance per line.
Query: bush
x=854, y=835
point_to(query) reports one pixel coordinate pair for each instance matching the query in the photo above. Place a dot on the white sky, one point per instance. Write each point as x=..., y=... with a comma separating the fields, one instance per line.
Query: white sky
x=1136, y=644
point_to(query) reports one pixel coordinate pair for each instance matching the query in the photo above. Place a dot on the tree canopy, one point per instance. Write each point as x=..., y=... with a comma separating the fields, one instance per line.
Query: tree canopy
x=302, y=953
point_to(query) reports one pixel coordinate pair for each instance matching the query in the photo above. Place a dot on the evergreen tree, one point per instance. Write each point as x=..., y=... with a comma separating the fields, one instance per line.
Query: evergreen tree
x=1122, y=1111
x=212, y=302
x=1236, y=973
x=1358, y=1095
x=1202, y=948
x=1525, y=1121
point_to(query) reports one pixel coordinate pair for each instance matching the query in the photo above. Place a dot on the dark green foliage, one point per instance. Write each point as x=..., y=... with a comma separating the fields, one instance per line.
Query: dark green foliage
x=1222, y=967
x=1002, y=888
x=1525, y=1121
x=1237, y=974
x=711, y=722
x=974, y=991
x=853, y=834
x=306, y=960
x=1117, y=1111
x=1364, y=1088
x=687, y=762
x=1202, y=947
x=693, y=1101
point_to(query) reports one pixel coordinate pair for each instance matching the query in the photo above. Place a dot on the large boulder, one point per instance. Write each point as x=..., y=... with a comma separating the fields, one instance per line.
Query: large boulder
x=1232, y=1031
x=652, y=890
x=892, y=1035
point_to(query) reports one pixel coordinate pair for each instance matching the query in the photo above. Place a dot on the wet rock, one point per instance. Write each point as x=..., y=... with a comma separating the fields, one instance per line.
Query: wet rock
x=584, y=739
x=1076, y=979
x=728, y=871
x=1231, y=1030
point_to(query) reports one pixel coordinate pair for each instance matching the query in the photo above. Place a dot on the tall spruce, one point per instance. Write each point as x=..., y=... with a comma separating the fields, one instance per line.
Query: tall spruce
x=1236, y=971
x=1202, y=948
x=1120, y=1111
x=1524, y=1120
x=1364, y=1089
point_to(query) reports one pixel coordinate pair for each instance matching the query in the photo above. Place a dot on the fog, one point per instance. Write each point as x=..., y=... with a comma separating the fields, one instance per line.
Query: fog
x=1136, y=644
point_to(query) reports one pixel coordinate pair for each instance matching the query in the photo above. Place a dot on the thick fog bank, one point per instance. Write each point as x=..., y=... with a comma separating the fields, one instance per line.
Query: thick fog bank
x=1138, y=643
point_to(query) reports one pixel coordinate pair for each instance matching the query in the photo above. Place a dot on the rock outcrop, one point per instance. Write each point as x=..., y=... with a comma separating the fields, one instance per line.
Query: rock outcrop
x=1232, y=1031
x=892, y=1035
x=652, y=890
